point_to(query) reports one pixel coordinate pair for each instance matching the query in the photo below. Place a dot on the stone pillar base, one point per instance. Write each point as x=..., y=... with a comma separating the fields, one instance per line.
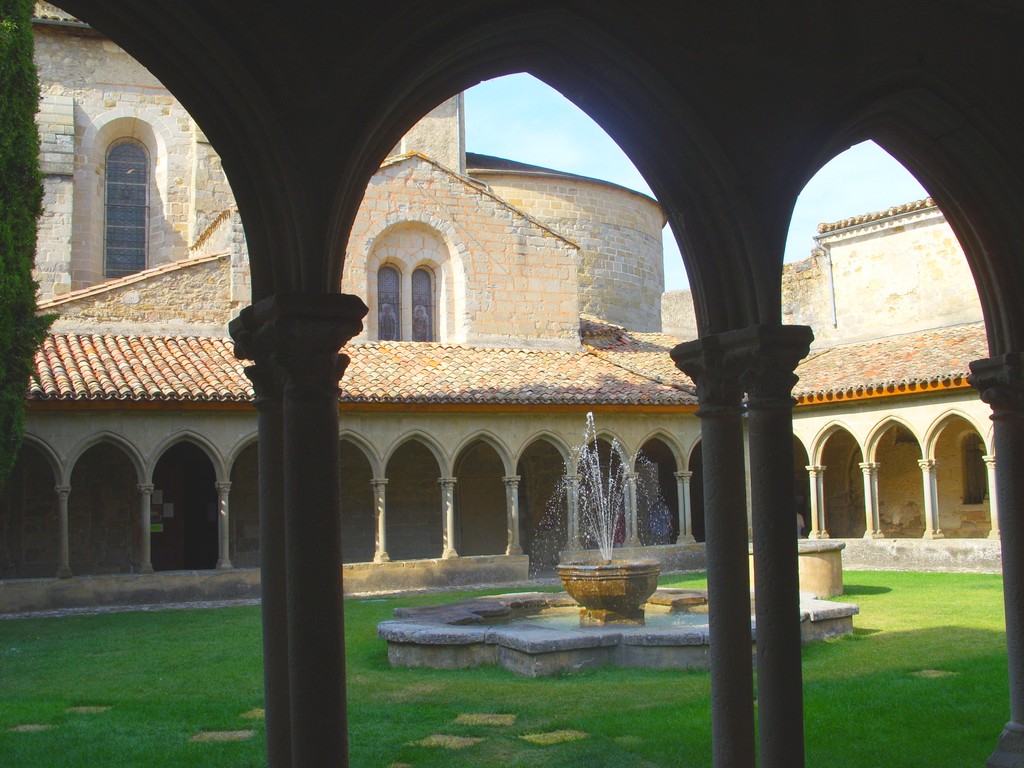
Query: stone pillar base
x=224, y=565
x=147, y=568
x=64, y=572
x=1010, y=749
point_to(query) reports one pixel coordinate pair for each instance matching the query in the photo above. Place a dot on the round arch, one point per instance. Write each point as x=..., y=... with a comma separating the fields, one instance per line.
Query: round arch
x=547, y=436
x=221, y=468
x=819, y=441
x=444, y=462
x=936, y=428
x=494, y=442
x=377, y=464
x=134, y=456
x=881, y=428
x=51, y=455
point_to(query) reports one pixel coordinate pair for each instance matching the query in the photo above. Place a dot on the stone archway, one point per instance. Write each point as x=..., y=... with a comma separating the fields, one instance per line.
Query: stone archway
x=183, y=516
x=245, y=512
x=29, y=529
x=901, y=508
x=414, y=521
x=962, y=481
x=104, y=530
x=357, y=505
x=543, y=507
x=480, y=501
x=844, y=514
x=657, y=494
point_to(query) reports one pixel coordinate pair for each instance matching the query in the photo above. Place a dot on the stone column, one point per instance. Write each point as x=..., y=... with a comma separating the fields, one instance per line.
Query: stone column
x=380, y=544
x=816, y=478
x=774, y=352
x=572, y=494
x=145, y=509
x=632, y=516
x=683, y=492
x=448, y=515
x=713, y=367
x=295, y=338
x=993, y=497
x=931, y=499
x=1000, y=382
x=512, y=514
x=223, y=525
x=64, y=567
x=872, y=524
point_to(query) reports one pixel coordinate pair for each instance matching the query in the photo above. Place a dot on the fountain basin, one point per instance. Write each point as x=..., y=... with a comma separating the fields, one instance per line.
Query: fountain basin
x=508, y=630
x=611, y=592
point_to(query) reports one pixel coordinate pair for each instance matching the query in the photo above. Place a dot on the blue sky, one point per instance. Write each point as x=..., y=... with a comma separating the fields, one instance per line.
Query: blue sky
x=520, y=118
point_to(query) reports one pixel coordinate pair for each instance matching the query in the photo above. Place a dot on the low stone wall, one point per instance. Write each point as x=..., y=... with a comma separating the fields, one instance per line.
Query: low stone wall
x=939, y=555
x=25, y=595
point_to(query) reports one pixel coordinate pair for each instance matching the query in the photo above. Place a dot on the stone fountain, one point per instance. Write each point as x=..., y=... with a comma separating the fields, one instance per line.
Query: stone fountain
x=609, y=591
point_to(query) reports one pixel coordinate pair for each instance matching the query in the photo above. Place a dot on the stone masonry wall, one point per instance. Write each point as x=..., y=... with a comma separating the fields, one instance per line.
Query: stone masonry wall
x=499, y=277
x=186, y=299
x=619, y=232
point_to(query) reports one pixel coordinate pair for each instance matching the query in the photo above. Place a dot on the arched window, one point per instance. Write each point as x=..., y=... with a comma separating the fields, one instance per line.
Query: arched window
x=975, y=477
x=126, y=188
x=389, y=305
x=422, y=305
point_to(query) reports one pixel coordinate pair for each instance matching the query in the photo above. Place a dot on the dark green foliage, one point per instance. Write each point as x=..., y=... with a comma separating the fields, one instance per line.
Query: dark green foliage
x=21, y=192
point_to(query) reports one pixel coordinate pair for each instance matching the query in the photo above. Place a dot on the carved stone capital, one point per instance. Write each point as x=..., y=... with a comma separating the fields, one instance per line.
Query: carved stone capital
x=759, y=360
x=1000, y=383
x=294, y=340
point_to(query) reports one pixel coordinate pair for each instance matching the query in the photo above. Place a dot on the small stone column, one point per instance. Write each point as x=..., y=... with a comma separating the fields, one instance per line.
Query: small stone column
x=632, y=516
x=295, y=338
x=816, y=478
x=448, y=515
x=993, y=497
x=931, y=499
x=572, y=494
x=380, y=543
x=713, y=366
x=223, y=525
x=145, y=510
x=64, y=567
x=512, y=514
x=683, y=492
x=1000, y=383
x=872, y=524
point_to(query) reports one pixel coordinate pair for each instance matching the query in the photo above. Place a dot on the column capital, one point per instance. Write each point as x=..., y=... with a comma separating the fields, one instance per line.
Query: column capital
x=378, y=482
x=223, y=486
x=146, y=488
x=759, y=360
x=511, y=479
x=815, y=469
x=294, y=340
x=685, y=475
x=1000, y=383
x=868, y=467
x=927, y=465
x=62, y=490
x=447, y=482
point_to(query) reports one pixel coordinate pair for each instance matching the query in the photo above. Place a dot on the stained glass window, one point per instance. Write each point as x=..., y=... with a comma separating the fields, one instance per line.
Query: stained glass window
x=389, y=308
x=422, y=306
x=127, y=210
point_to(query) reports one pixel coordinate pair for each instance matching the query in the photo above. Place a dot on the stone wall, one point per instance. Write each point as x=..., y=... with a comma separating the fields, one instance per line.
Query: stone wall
x=621, y=268
x=440, y=134
x=187, y=298
x=499, y=277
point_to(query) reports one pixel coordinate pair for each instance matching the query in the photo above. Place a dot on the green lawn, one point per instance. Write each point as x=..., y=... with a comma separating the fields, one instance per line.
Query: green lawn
x=922, y=682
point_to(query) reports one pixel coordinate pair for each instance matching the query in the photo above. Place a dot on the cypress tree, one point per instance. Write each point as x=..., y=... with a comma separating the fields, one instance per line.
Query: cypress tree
x=21, y=195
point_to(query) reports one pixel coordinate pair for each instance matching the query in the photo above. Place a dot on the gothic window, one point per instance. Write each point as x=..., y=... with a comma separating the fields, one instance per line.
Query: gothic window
x=975, y=477
x=422, y=306
x=126, y=188
x=389, y=308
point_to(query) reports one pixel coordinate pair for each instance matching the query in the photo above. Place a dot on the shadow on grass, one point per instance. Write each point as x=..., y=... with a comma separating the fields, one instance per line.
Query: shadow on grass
x=852, y=590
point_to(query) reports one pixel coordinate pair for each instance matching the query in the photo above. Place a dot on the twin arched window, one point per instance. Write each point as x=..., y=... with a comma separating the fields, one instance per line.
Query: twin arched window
x=419, y=308
x=126, y=209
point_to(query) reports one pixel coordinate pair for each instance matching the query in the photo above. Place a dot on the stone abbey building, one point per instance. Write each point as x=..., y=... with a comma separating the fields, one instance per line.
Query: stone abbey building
x=506, y=301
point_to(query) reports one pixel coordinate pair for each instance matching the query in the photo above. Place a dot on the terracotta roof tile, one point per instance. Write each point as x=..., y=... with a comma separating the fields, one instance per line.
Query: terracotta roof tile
x=867, y=218
x=895, y=364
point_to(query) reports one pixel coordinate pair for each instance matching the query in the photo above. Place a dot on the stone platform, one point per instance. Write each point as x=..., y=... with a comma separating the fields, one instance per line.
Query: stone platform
x=483, y=631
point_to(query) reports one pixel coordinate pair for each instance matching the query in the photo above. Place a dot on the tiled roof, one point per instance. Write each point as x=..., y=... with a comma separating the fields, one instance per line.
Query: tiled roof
x=897, y=364
x=867, y=218
x=72, y=366
x=615, y=367
x=196, y=369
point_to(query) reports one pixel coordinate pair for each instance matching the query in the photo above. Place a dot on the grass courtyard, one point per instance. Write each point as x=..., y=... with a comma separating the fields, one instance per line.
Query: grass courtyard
x=922, y=682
